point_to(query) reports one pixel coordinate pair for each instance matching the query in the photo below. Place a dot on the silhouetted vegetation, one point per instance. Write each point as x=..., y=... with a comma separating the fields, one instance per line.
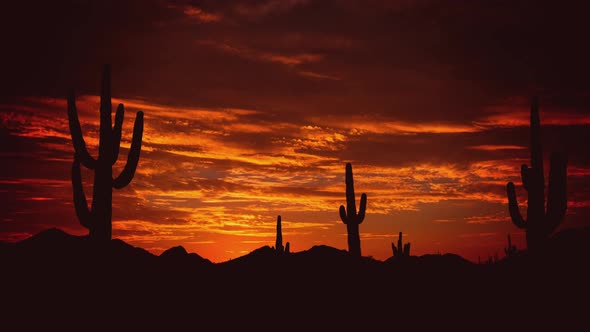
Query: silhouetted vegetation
x=279, y=241
x=98, y=219
x=56, y=275
x=400, y=250
x=540, y=224
x=511, y=250
x=349, y=215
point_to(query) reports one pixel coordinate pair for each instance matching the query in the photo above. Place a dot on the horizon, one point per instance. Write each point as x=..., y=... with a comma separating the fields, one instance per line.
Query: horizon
x=252, y=110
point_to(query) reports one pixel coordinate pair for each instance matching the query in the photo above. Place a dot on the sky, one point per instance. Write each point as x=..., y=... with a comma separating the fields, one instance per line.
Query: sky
x=253, y=108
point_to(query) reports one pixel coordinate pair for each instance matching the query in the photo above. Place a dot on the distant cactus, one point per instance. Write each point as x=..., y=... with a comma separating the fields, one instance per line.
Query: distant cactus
x=511, y=250
x=400, y=251
x=287, y=248
x=98, y=219
x=540, y=224
x=279, y=241
x=349, y=214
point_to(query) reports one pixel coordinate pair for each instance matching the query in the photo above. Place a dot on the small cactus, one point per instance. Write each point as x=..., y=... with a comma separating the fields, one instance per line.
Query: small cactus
x=511, y=250
x=400, y=251
x=279, y=241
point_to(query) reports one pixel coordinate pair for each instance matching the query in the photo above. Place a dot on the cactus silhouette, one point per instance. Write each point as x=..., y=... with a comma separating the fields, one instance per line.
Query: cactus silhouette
x=400, y=251
x=511, y=250
x=349, y=215
x=540, y=224
x=98, y=218
x=279, y=241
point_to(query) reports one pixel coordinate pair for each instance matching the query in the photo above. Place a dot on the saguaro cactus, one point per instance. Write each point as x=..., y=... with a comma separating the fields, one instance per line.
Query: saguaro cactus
x=279, y=241
x=540, y=224
x=400, y=250
x=349, y=215
x=98, y=218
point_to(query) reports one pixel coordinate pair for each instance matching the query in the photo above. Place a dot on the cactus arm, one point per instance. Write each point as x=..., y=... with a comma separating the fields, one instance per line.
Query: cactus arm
x=133, y=158
x=394, y=249
x=557, y=192
x=407, y=249
x=513, y=206
x=117, y=132
x=76, y=132
x=343, y=214
x=79, y=197
x=362, y=208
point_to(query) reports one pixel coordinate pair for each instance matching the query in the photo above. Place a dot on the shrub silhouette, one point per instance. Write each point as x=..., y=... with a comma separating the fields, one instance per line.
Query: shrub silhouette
x=511, y=250
x=98, y=218
x=400, y=251
x=349, y=215
x=540, y=224
x=279, y=241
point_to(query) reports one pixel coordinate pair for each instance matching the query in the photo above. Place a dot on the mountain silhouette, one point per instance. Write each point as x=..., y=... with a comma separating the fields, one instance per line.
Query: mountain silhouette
x=312, y=286
x=178, y=259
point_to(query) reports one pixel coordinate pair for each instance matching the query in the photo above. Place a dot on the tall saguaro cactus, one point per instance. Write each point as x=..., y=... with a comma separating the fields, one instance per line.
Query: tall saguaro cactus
x=349, y=215
x=540, y=223
x=98, y=218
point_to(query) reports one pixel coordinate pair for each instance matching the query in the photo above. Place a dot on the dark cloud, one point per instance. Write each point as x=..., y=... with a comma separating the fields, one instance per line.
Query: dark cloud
x=419, y=60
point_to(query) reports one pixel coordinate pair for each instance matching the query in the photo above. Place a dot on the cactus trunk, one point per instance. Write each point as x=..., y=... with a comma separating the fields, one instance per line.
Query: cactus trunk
x=98, y=219
x=354, y=239
x=539, y=224
x=349, y=215
x=102, y=202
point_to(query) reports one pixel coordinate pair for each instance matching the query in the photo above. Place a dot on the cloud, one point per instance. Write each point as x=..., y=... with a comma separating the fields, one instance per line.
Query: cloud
x=252, y=54
x=259, y=9
x=197, y=14
x=490, y=147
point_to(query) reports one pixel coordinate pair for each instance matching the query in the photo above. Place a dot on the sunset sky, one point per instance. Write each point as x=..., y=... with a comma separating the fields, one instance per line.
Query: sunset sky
x=253, y=108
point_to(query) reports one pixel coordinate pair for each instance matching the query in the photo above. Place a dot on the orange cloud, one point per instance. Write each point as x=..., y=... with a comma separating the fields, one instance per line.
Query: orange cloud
x=197, y=14
x=252, y=54
x=519, y=115
x=360, y=125
x=496, y=147
x=319, y=76
x=214, y=179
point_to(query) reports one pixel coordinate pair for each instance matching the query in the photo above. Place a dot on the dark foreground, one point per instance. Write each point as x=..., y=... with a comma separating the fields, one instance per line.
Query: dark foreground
x=56, y=280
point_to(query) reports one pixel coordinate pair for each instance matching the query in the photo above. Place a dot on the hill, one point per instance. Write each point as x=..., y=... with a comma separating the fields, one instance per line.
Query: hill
x=59, y=276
